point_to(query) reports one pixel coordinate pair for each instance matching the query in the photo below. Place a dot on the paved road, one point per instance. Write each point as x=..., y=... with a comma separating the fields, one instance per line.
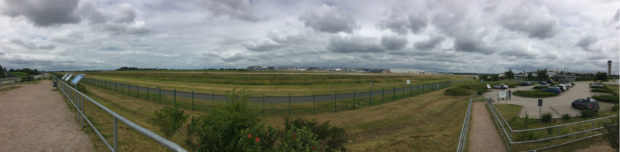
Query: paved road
x=35, y=118
x=483, y=136
x=557, y=105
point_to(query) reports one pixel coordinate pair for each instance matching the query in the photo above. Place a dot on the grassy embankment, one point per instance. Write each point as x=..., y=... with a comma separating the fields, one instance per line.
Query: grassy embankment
x=268, y=83
x=511, y=113
x=429, y=122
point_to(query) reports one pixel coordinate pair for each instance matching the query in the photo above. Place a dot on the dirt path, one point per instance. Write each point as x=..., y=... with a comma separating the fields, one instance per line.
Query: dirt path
x=35, y=118
x=483, y=136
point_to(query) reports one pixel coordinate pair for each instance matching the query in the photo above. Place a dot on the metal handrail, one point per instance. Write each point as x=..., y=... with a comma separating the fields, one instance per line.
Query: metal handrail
x=566, y=124
x=465, y=128
x=163, y=141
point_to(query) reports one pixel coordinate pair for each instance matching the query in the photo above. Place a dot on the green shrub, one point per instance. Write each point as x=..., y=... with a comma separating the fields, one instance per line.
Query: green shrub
x=457, y=91
x=332, y=138
x=604, y=90
x=546, y=118
x=533, y=93
x=565, y=117
x=541, y=87
x=169, y=120
x=588, y=113
x=606, y=98
x=298, y=139
x=614, y=108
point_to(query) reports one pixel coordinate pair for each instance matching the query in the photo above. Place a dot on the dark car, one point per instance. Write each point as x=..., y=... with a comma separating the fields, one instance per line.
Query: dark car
x=526, y=83
x=552, y=89
x=596, y=85
x=543, y=83
x=589, y=104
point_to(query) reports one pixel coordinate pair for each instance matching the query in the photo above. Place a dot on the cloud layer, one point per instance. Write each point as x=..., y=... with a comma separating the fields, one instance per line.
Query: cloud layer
x=445, y=36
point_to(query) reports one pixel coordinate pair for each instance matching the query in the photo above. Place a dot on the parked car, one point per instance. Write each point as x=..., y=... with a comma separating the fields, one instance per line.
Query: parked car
x=589, y=104
x=568, y=84
x=596, y=85
x=500, y=86
x=526, y=83
x=563, y=88
x=543, y=83
x=552, y=89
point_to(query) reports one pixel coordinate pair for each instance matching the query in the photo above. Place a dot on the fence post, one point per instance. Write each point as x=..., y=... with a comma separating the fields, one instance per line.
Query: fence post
x=115, y=84
x=289, y=103
x=137, y=91
x=312, y=102
x=383, y=95
x=175, y=97
x=394, y=93
x=334, y=101
x=410, y=90
x=82, y=110
x=263, y=102
x=370, y=98
x=403, y=90
x=354, y=99
x=213, y=97
x=115, y=135
x=128, y=90
x=159, y=95
x=192, y=99
x=148, y=93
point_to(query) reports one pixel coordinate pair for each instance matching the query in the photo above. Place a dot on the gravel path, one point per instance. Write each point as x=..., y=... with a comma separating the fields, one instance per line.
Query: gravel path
x=483, y=135
x=35, y=118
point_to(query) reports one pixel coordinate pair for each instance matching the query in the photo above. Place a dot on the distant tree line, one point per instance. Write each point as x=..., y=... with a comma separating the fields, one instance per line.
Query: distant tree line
x=27, y=71
x=210, y=69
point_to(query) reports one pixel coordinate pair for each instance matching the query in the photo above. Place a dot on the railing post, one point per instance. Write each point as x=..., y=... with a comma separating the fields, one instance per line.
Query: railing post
x=115, y=135
x=82, y=110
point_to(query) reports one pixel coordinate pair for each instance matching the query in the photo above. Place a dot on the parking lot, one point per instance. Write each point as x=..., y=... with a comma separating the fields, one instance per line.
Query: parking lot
x=557, y=105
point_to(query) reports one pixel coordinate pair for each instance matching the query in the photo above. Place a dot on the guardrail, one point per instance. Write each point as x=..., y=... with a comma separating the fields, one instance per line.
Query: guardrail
x=508, y=133
x=76, y=98
x=465, y=128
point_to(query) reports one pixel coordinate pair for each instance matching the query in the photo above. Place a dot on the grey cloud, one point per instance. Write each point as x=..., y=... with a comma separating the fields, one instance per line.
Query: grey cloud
x=401, y=24
x=264, y=46
x=233, y=58
x=534, y=22
x=586, y=43
x=236, y=9
x=616, y=17
x=471, y=44
x=30, y=45
x=429, y=44
x=518, y=54
x=120, y=21
x=353, y=44
x=43, y=12
x=329, y=19
x=393, y=42
x=551, y=57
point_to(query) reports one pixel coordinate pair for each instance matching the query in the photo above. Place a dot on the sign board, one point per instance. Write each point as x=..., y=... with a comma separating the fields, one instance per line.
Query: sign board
x=68, y=77
x=502, y=95
x=371, y=84
x=408, y=81
x=540, y=103
x=64, y=76
x=488, y=86
x=77, y=79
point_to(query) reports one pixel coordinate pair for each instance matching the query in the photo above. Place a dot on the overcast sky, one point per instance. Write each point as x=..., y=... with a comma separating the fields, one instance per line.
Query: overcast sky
x=445, y=36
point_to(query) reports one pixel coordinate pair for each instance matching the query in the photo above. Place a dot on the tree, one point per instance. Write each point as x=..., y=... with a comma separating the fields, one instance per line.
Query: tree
x=1, y=72
x=542, y=75
x=509, y=74
x=530, y=76
x=600, y=76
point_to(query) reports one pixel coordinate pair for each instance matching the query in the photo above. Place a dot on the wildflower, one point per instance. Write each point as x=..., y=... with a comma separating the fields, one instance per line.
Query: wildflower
x=313, y=147
x=249, y=135
x=294, y=135
x=257, y=139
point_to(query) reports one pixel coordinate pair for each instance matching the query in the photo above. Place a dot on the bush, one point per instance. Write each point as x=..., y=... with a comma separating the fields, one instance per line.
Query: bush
x=541, y=87
x=546, y=118
x=533, y=93
x=604, y=90
x=587, y=113
x=458, y=91
x=606, y=98
x=169, y=120
x=332, y=138
x=565, y=117
x=614, y=108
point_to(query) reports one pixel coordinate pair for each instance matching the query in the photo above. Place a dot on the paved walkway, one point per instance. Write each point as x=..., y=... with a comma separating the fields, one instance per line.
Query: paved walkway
x=483, y=136
x=557, y=105
x=35, y=118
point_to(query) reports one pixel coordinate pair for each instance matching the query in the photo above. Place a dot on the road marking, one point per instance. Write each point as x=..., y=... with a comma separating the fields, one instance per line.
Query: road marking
x=554, y=111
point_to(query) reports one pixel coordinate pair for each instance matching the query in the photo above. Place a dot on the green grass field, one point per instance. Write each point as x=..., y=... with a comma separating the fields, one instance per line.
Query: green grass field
x=268, y=83
x=401, y=125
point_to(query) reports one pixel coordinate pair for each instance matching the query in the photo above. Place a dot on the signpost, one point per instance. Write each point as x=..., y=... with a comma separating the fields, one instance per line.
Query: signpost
x=540, y=104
